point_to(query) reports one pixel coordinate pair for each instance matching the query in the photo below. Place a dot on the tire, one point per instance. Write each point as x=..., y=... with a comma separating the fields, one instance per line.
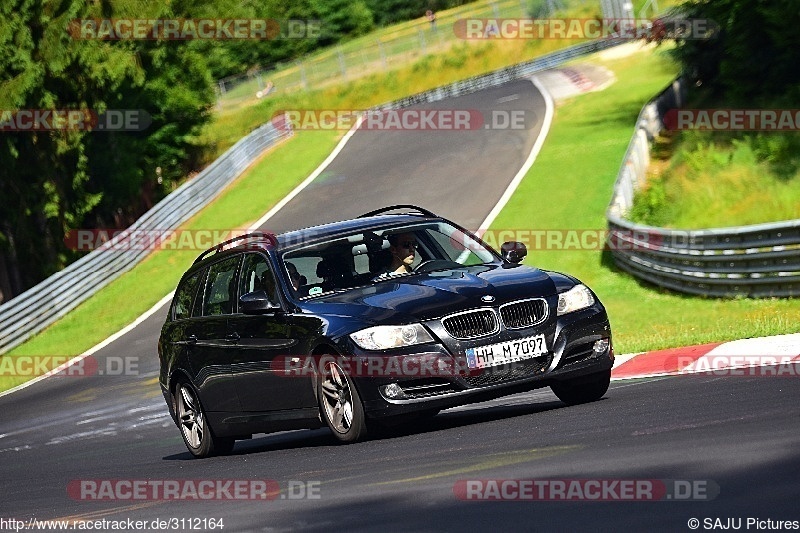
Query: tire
x=193, y=424
x=340, y=405
x=583, y=390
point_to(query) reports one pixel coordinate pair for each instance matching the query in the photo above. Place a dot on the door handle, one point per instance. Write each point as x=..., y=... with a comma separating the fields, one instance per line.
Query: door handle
x=188, y=341
x=232, y=337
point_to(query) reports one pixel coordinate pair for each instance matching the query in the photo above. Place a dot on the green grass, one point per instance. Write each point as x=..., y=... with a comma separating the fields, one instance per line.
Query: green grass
x=399, y=44
x=724, y=179
x=430, y=71
x=408, y=69
x=240, y=111
x=569, y=188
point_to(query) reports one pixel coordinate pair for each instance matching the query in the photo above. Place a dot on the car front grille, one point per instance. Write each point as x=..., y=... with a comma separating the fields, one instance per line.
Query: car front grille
x=471, y=324
x=523, y=314
x=509, y=372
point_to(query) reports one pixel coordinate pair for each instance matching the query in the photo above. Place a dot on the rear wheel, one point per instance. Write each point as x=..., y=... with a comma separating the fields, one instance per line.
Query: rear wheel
x=340, y=404
x=583, y=390
x=196, y=433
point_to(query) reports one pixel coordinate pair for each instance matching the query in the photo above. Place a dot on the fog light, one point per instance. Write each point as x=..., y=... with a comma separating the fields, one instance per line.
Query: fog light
x=600, y=346
x=393, y=391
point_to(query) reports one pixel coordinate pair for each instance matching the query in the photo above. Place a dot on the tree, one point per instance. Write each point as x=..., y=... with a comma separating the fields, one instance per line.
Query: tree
x=755, y=53
x=45, y=174
x=58, y=180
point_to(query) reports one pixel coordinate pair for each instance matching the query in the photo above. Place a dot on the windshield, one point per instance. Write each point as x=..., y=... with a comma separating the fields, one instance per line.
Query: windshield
x=375, y=256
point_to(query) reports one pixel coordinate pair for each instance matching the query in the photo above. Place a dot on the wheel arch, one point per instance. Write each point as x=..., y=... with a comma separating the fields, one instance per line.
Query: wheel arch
x=178, y=376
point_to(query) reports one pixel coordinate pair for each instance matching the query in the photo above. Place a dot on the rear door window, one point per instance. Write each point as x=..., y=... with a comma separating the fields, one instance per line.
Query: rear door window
x=220, y=288
x=184, y=297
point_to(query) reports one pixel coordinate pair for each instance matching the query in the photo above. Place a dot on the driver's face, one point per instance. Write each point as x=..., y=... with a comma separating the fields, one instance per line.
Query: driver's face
x=405, y=249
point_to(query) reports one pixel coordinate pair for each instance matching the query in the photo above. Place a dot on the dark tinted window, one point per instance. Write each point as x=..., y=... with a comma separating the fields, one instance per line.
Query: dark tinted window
x=220, y=289
x=184, y=297
x=257, y=276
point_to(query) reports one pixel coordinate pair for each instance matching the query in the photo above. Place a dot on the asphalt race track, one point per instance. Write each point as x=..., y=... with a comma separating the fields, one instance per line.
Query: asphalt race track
x=733, y=440
x=460, y=175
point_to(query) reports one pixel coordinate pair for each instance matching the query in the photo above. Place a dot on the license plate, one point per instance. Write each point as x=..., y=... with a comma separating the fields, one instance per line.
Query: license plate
x=506, y=352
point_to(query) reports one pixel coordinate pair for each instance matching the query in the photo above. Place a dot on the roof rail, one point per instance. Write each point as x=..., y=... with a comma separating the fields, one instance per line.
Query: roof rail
x=260, y=235
x=410, y=207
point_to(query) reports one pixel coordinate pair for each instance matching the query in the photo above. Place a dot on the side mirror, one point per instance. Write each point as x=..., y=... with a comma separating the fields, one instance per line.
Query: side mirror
x=513, y=251
x=256, y=303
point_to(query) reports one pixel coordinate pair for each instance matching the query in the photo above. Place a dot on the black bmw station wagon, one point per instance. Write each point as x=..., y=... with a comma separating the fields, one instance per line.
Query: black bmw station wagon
x=392, y=316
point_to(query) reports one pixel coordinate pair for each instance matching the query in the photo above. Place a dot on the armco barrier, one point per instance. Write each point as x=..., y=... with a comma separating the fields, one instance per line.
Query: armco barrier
x=40, y=306
x=43, y=304
x=500, y=76
x=757, y=261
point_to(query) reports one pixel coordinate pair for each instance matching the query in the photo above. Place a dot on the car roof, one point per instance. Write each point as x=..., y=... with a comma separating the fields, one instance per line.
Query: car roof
x=265, y=241
x=297, y=238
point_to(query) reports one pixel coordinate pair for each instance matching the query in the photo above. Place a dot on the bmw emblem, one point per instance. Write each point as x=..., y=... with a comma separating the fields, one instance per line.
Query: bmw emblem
x=488, y=298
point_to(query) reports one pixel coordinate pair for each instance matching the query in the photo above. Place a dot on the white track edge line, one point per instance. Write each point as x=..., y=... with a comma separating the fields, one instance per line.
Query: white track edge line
x=288, y=198
x=99, y=346
x=537, y=146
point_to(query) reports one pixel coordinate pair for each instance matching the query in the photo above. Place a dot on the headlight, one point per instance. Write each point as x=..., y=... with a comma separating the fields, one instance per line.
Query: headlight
x=575, y=299
x=385, y=337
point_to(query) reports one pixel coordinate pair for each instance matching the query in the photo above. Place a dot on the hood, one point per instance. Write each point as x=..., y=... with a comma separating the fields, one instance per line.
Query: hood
x=434, y=294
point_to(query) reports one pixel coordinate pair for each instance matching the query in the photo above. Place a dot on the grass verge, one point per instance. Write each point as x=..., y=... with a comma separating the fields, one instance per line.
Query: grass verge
x=598, y=126
x=712, y=180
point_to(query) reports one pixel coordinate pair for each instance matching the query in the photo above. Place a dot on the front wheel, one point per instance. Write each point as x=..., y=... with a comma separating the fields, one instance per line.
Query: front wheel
x=583, y=390
x=340, y=404
x=196, y=433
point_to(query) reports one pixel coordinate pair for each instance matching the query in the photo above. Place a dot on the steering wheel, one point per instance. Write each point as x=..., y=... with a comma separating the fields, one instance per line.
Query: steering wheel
x=436, y=264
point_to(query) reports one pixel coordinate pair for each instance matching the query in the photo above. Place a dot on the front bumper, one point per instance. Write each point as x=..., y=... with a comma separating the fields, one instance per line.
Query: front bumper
x=571, y=339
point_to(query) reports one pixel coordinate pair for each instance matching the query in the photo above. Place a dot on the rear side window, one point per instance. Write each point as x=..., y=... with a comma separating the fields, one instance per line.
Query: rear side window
x=220, y=290
x=184, y=297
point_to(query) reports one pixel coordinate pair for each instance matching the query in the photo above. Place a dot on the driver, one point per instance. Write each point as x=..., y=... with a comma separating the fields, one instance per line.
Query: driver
x=403, y=248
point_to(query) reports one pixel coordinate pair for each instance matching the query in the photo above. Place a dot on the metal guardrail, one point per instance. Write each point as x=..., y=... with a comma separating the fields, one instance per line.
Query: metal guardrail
x=38, y=307
x=383, y=50
x=501, y=76
x=757, y=261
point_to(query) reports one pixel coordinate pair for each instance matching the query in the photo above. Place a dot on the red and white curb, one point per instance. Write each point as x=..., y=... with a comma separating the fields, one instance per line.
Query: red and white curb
x=776, y=351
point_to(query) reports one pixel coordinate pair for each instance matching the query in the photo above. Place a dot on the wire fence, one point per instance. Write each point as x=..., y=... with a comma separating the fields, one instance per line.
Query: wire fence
x=361, y=56
x=396, y=47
